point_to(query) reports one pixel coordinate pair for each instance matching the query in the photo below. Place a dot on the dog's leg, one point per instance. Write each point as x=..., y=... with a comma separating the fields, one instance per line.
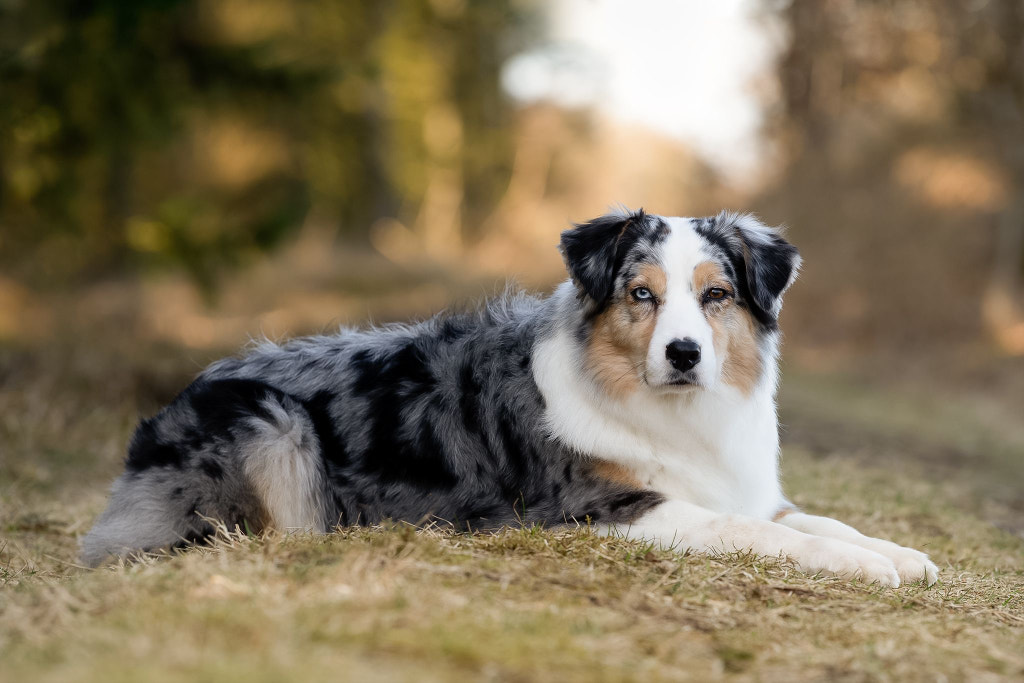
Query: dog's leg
x=911, y=564
x=680, y=525
x=282, y=462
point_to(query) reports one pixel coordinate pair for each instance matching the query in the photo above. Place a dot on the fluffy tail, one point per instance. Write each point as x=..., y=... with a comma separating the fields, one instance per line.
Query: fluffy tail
x=237, y=451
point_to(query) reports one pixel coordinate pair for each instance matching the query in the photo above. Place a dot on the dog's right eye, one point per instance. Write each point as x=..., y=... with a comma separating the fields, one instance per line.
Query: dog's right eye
x=642, y=294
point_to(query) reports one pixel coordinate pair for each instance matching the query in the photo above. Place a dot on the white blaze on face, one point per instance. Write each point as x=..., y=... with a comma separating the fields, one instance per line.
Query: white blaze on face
x=680, y=315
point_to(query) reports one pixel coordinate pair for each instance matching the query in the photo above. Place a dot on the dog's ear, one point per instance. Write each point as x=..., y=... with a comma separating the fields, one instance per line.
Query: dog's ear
x=769, y=263
x=594, y=251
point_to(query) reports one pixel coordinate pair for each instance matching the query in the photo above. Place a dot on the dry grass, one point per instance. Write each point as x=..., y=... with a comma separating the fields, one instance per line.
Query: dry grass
x=395, y=604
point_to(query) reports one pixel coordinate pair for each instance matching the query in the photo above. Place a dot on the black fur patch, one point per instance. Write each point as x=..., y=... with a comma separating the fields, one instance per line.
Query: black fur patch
x=332, y=446
x=221, y=403
x=469, y=399
x=595, y=251
x=212, y=469
x=762, y=267
x=147, y=450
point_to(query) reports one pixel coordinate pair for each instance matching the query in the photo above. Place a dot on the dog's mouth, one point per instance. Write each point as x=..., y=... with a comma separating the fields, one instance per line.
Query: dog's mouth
x=679, y=382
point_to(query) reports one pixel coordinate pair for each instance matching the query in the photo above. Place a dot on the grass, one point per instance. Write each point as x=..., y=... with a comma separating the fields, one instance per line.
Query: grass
x=529, y=604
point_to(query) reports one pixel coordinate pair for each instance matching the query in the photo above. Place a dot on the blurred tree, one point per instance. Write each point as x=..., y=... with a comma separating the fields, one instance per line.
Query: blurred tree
x=199, y=132
x=915, y=109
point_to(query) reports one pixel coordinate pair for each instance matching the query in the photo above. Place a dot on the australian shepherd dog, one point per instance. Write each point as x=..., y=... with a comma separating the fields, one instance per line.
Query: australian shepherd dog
x=638, y=399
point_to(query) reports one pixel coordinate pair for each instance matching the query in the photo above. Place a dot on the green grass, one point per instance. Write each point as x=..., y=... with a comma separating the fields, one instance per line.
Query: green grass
x=399, y=604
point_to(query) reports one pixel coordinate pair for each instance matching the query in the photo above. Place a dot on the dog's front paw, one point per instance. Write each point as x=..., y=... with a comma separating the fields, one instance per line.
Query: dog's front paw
x=912, y=565
x=847, y=561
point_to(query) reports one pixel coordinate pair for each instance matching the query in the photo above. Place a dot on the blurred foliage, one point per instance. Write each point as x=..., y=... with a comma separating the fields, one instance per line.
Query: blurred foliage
x=199, y=132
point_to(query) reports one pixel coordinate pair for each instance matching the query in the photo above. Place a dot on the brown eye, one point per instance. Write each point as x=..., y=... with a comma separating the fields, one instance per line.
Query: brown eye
x=715, y=294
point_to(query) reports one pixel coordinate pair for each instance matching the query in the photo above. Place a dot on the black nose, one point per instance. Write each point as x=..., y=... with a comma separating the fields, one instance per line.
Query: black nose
x=683, y=354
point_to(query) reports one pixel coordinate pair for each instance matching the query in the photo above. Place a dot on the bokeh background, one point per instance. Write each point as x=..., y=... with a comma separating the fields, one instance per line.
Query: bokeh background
x=180, y=176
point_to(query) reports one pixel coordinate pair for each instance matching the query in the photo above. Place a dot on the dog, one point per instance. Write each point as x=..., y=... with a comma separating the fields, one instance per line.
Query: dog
x=637, y=399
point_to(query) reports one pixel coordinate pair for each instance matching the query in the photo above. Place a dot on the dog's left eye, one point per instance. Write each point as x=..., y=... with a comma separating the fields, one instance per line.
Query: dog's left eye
x=715, y=294
x=642, y=294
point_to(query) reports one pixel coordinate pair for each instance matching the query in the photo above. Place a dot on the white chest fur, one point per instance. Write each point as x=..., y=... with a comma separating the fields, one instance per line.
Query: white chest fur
x=715, y=448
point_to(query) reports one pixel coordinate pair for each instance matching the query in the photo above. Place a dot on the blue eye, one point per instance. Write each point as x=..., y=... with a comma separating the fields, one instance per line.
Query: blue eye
x=642, y=294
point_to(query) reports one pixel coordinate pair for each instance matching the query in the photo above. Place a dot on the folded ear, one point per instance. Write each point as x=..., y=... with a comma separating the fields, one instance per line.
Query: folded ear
x=770, y=263
x=594, y=251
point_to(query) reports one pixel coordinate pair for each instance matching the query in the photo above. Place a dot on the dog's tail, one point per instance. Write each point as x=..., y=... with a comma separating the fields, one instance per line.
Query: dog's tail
x=236, y=451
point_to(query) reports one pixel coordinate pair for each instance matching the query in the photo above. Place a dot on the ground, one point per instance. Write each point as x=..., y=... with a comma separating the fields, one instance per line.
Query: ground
x=941, y=472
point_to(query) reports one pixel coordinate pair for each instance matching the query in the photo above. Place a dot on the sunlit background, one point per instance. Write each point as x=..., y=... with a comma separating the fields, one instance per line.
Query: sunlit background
x=180, y=176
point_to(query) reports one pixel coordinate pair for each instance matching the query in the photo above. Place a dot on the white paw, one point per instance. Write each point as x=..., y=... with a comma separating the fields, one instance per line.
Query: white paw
x=847, y=561
x=912, y=565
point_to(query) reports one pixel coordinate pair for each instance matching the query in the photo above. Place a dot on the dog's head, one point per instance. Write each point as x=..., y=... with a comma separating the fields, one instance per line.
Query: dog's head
x=678, y=303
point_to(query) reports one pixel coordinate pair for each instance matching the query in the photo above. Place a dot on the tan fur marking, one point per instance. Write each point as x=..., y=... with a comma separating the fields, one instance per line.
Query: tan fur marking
x=788, y=510
x=733, y=328
x=707, y=274
x=621, y=334
x=742, y=367
x=616, y=473
x=653, y=278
